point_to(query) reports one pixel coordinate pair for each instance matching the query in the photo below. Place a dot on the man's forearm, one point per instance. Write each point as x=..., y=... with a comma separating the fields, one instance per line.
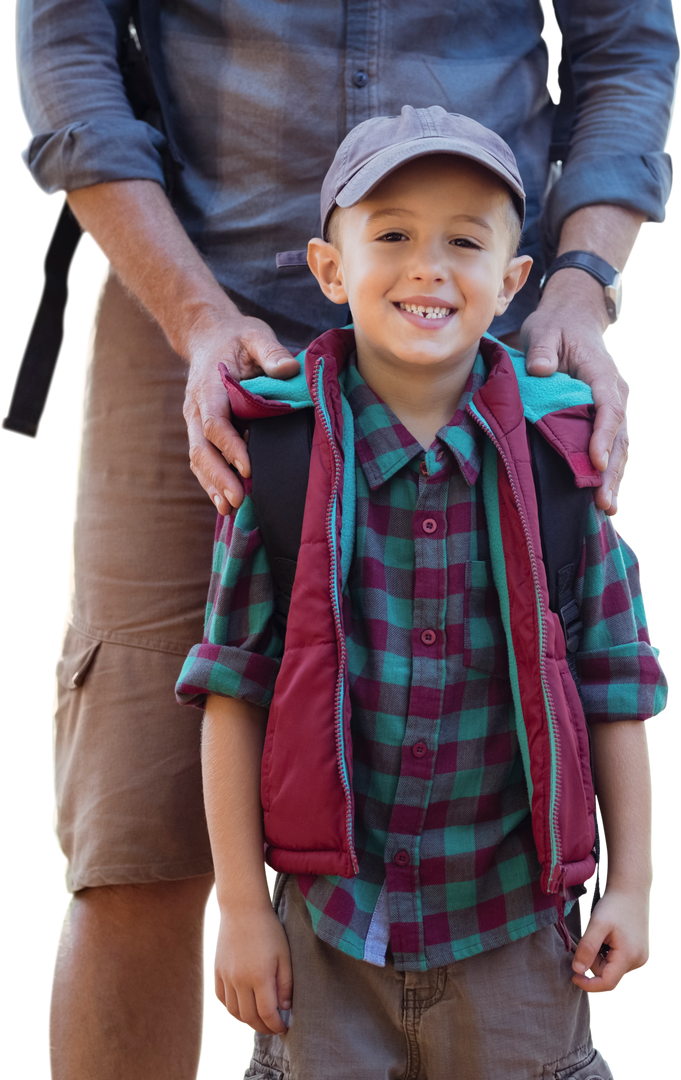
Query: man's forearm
x=608, y=231
x=623, y=786
x=134, y=224
x=233, y=734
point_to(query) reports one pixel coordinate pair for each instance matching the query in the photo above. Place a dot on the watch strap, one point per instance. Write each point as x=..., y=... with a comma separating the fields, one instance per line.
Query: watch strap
x=583, y=260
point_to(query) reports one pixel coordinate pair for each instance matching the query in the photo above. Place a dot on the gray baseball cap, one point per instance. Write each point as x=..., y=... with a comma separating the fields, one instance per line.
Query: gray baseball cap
x=377, y=147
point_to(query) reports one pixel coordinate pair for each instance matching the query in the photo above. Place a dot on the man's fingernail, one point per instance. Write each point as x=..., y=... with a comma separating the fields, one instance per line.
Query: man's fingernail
x=286, y=1005
x=606, y=459
x=216, y=500
x=240, y=466
x=579, y=968
x=613, y=503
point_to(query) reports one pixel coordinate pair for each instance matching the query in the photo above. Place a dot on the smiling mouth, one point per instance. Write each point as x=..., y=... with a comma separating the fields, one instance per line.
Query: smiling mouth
x=426, y=311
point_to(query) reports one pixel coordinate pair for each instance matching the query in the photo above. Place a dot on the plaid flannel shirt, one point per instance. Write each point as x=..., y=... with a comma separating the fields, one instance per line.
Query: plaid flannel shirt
x=421, y=564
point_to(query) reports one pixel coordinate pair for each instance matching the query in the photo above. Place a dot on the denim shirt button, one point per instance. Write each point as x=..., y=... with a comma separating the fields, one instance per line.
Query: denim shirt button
x=361, y=79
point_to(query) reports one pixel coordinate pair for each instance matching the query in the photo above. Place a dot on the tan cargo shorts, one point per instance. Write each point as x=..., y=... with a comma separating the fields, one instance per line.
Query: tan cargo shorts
x=509, y=1014
x=128, y=777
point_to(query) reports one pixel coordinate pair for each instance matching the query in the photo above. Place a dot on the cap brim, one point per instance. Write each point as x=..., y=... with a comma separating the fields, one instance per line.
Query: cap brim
x=387, y=161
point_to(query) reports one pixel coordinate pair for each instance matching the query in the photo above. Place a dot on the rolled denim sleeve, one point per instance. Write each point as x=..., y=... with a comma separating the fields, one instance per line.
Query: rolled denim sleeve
x=84, y=129
x=623, y=57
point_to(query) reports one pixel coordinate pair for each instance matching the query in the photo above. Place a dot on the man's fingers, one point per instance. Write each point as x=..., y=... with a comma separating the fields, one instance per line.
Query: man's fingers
x=541, y=363
x=606, y=494
x=211, y=470
x=275, y=360
x=542, y=348
x=218, y=431
x=587, y=950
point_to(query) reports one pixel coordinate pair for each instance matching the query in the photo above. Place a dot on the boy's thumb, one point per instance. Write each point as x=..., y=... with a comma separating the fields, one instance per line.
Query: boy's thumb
x=586, y=952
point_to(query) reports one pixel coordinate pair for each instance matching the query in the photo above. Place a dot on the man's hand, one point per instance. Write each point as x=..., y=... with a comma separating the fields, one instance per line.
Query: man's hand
x=620, y=921
x=139, y=232
x=253, y=974
x=247, y=347
x=565, y=334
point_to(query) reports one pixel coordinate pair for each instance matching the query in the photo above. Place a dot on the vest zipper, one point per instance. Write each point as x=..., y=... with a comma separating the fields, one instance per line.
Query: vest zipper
x=557, y=874
x=322, y=413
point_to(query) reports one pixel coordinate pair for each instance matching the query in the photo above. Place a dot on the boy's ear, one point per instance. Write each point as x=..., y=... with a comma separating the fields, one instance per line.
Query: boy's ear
x=515, y=276
x=324, y=261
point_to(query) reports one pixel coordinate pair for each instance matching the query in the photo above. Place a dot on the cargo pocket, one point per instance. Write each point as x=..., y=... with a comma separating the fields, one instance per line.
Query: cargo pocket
x=592, y=1067
x=483, y=633
x=78, y=653
x=258, y=1071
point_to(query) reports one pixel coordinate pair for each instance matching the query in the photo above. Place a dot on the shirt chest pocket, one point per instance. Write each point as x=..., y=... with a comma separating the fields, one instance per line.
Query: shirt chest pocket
x=484, y=639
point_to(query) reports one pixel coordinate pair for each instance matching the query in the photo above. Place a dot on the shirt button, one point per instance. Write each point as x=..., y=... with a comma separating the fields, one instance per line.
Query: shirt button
x=423, y=469
x=430, y=525
x=428, y=637
x=402, y=858
x=419, y=749
x=361, y=79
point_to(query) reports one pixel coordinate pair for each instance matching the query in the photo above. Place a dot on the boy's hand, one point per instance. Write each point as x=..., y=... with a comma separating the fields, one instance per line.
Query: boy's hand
x=253, y=975
x=619, y=921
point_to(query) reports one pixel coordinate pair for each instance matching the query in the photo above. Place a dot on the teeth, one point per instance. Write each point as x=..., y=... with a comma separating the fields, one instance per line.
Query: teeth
x=427, y=312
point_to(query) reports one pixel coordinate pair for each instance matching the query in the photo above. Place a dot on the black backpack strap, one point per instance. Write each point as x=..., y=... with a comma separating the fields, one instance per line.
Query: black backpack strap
x=563, y=513
x=563, y=118
x=279, y=448
x=44, y=342
x=145, y=82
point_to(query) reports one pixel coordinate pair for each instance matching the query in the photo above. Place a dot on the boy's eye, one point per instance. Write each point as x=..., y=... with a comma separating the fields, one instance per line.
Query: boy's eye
x=393, y=236
x=462, y=242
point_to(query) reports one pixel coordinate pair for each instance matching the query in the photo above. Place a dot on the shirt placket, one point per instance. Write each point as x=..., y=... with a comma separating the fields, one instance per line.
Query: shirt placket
x=361, y=60
x=419, y=748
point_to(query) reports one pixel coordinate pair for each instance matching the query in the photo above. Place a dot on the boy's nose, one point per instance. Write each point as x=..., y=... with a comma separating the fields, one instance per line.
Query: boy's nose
x=427, y=266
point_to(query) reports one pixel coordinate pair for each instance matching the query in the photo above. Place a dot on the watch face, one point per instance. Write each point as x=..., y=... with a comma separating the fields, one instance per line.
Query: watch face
x=614, y=298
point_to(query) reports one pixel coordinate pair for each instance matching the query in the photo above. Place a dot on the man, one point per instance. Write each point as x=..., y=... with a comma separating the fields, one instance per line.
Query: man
x=256, y=97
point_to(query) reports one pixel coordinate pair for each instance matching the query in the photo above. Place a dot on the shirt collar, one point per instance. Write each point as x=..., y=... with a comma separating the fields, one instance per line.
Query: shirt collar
x=383, y=445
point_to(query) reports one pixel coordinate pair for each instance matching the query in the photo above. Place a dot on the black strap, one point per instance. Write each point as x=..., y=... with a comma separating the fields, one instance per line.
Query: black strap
x=41, y=354
x=144, y=78
x=563, y=512
x=564, y=116
x=279, y=448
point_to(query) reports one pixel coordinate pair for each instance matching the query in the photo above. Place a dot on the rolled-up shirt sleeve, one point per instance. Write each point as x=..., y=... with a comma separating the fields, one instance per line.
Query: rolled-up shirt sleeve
x=84, y=129
x=623, y=57
x=241, y=651
x=621, y=678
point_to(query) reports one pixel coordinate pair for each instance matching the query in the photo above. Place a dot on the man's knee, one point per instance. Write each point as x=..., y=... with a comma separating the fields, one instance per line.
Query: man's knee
x=150, y=910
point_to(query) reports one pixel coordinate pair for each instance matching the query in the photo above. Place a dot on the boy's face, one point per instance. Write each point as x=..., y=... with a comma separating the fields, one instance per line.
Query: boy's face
x=435, y=234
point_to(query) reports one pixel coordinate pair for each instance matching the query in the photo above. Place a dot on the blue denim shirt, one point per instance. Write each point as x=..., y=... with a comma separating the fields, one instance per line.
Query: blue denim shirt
x=263, y=91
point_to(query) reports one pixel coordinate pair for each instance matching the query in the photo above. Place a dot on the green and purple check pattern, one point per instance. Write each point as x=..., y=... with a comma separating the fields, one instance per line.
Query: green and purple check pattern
x=442, y=823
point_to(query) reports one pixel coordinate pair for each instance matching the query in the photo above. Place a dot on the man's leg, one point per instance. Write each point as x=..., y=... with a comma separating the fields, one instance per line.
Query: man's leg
x=127, y=995
x=128, y=989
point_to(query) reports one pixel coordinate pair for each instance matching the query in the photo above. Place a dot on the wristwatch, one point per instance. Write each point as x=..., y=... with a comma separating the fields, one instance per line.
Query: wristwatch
x=609, y=277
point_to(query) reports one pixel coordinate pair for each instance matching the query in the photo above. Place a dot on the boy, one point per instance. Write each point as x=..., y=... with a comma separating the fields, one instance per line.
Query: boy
x=425, y=784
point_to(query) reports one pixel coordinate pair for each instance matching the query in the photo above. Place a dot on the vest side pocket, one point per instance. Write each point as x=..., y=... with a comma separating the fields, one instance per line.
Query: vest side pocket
x=483, y=633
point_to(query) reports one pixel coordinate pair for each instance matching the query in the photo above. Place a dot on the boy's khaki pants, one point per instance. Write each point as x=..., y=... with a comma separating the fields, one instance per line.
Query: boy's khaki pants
x=509, y=1014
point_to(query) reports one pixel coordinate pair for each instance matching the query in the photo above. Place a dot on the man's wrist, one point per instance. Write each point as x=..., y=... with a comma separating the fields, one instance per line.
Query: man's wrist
x=571, y=287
